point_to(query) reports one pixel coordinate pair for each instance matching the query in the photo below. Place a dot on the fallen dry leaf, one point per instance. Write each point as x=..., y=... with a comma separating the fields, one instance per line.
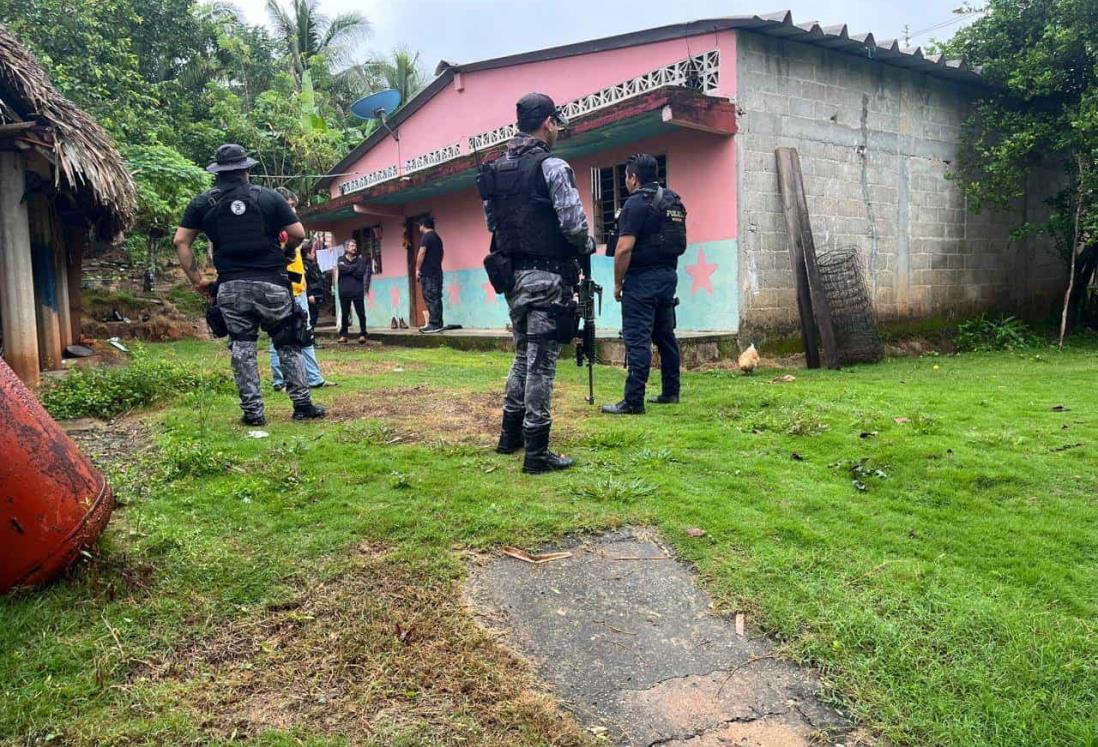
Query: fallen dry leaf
x=695, y=532
x=526, y=557
x=902, y=420
x=783, y=379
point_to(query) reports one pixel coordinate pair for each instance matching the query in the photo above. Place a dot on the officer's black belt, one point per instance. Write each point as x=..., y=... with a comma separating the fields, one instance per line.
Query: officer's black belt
x=527, y=262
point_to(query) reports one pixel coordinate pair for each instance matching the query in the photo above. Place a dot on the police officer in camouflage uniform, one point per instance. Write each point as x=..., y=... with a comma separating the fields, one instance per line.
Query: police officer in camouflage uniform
x=243, y=222
x=538, y=226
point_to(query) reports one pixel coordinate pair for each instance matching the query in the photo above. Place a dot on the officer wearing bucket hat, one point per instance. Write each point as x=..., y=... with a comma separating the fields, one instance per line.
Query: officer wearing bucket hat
x=243, y=222
x=539, y=231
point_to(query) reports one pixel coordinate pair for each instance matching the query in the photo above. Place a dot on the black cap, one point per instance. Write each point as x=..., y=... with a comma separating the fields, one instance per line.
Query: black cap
x=532, y=109
x=231, y=157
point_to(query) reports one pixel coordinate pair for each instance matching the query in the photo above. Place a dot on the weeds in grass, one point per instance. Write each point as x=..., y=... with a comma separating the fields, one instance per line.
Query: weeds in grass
x=613, y=489
x=106, y=392
x=985, y=334
x=612, y=438
x=399, y=480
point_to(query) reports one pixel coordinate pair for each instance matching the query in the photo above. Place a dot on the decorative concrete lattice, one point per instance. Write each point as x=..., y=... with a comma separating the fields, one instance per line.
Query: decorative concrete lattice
x=852, y=317
x=700, y=72
x=368, y=180
x=433, y=158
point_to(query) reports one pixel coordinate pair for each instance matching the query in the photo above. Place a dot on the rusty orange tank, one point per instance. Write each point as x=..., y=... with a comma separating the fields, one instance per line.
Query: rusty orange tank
x=53, y=502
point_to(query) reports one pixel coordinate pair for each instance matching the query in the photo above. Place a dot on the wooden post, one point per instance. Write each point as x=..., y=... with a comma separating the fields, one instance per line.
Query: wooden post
x=76, y=241
x=45, y=282
x=60, y=259
x=811, y=299
x=16, y=275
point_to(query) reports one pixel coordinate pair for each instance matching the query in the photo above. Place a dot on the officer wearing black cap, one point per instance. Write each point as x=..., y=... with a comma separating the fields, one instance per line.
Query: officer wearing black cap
x=243, y=223
x=539, y=231
x=651, y=238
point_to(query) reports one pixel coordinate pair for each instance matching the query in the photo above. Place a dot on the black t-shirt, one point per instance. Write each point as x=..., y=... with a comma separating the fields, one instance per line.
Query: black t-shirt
x=638, y=219
x=432, y=260
x=277, y=214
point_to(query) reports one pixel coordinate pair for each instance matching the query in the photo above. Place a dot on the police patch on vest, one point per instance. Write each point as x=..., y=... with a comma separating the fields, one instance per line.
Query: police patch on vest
x=237, y=207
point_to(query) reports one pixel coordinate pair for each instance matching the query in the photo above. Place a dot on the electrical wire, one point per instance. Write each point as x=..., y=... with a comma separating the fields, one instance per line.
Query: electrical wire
x=944, y=24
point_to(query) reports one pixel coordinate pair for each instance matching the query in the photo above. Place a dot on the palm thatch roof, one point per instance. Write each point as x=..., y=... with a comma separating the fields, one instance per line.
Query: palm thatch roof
x=85, y=163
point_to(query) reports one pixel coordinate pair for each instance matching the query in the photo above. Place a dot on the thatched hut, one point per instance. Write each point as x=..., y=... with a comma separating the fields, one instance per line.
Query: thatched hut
x=61, y=178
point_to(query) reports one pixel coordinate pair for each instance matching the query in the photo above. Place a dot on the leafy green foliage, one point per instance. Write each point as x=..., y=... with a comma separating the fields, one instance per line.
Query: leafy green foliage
x=986, y=333
x=1042, y=58
x=106, y=392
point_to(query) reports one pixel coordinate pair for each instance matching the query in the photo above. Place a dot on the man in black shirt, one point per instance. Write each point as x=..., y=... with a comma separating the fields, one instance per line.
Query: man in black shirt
x=651, y=237
x=429, y=273
x=243, y=223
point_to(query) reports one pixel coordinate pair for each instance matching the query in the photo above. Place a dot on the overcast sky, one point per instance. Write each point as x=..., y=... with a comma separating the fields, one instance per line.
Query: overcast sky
x=469, y=30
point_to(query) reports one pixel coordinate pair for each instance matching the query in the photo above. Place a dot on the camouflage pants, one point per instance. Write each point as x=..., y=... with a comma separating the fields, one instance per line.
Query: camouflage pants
x=530, y=382
x=247, y=306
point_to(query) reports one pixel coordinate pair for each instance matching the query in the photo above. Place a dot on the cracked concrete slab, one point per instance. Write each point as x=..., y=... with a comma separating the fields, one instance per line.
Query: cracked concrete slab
x=627, y=641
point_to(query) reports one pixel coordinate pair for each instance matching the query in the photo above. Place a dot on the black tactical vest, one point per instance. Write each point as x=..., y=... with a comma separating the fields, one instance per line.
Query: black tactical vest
x=239, y=233
x=526, y=222
x=663, y=239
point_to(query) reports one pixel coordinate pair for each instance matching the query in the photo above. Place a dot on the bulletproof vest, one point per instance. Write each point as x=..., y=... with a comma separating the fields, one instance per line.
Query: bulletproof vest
x=526, y=222
x=663, y=239
x=238, y=231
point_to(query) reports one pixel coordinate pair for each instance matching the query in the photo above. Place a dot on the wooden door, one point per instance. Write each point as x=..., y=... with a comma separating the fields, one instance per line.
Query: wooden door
x=417, y=307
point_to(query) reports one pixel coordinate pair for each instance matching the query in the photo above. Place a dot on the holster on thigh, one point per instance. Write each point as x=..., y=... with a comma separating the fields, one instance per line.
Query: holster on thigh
x=565, y=318
x=293, y=331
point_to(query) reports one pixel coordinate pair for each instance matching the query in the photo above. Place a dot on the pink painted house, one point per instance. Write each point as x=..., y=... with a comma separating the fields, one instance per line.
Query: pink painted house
x=711, y=99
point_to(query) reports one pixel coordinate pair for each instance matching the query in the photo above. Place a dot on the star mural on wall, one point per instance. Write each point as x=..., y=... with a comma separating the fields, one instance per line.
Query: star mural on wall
x=455, y=293
x=394, y=297
x=702, y=273
x=489, y=292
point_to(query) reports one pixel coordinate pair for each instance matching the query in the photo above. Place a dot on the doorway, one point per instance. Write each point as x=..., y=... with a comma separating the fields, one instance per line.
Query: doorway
x=417, y=307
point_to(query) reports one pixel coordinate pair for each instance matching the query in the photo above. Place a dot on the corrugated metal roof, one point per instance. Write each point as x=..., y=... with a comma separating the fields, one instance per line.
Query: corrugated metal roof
x=779, y=24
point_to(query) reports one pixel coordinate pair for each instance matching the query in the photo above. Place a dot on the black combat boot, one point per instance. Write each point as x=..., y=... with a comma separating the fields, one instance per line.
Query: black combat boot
x=256, y=419
x=623, y=408
x=510, y=433
x=538, y=457
x=308, y=411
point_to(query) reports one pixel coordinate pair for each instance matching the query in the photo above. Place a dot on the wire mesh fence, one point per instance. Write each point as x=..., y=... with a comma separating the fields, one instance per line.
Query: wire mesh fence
x=856, y=335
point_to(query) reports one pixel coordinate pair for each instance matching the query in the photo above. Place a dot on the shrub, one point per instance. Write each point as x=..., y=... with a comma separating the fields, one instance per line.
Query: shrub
x=985, y=334
x=105, y=392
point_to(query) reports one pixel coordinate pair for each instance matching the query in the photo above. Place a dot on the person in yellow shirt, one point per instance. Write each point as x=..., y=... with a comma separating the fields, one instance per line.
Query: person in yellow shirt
x=296, y=272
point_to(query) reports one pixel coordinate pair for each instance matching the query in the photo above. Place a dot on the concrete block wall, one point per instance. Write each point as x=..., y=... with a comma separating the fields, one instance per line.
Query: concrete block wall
x=876, y=143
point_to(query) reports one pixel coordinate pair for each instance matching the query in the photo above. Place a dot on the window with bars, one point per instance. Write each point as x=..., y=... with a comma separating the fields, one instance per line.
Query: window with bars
x=369, y=246
x=609, y=194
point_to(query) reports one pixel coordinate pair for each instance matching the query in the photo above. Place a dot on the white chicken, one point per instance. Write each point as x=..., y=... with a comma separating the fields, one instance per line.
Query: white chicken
x=749, y=360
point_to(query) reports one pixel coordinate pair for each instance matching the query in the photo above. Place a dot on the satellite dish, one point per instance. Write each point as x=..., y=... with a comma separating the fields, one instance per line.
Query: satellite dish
x=378, y=106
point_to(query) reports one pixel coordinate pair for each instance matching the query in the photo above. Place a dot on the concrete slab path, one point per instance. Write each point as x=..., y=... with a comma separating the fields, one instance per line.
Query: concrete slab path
x=629, y=643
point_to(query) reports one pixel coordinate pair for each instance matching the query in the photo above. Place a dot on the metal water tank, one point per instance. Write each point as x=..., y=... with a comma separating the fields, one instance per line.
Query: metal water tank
x=53, y=502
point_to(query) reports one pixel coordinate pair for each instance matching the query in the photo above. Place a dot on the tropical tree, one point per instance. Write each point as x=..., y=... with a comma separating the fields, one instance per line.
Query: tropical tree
x=306, y=33
x=166, y=181
x=1041, y=57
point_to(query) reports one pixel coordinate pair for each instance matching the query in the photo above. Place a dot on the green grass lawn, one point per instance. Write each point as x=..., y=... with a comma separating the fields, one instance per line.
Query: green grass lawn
x=924, y=532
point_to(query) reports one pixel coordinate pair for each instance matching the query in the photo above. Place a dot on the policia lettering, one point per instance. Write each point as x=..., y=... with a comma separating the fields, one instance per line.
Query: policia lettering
x=539, y=230
x=651, y=238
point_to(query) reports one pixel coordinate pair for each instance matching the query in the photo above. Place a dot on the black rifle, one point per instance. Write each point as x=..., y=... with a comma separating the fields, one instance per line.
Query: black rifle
x=585, y=348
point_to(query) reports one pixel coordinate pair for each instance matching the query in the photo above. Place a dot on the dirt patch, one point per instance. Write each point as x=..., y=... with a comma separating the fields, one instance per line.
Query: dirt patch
x=422, y=413
x=382, y=653
x=129, y=317
x=359, y=365
x=109, y=442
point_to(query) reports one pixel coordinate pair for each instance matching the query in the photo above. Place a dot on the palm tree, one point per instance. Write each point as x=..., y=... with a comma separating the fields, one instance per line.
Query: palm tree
x=306, y=33
x=399, y=69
